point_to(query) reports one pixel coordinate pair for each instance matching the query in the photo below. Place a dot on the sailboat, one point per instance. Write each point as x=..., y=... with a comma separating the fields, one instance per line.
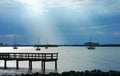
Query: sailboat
x=15, y=46
x=46, y=47
x=38, y=48
x=91, y=45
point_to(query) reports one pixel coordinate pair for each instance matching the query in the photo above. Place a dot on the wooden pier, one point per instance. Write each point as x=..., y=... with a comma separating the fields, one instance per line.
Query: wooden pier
x=43, y=57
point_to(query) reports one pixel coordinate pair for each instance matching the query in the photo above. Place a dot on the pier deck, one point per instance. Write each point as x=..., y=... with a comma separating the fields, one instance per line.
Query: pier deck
x=43, y=57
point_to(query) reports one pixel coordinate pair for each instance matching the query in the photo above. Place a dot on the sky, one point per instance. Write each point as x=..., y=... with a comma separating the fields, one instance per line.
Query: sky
x=60, y=21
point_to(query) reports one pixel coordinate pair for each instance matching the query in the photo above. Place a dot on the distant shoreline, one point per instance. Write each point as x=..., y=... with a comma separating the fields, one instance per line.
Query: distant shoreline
x=102, y=45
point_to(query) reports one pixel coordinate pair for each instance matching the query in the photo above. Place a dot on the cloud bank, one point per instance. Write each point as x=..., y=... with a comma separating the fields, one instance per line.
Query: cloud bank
x=49, y=18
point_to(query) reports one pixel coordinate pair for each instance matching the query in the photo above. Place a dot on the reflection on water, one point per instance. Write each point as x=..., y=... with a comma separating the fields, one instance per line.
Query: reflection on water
x=69, y=58
x=13, y=71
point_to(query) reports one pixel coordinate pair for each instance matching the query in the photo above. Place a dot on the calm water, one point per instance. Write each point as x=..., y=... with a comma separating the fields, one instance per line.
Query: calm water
x=70, y=58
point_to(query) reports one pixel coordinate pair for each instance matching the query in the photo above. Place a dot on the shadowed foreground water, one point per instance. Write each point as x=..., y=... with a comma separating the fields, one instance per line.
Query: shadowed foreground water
x=73, y=73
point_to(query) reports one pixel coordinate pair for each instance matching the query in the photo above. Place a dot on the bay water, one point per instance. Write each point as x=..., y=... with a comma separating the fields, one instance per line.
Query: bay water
x=69, y=58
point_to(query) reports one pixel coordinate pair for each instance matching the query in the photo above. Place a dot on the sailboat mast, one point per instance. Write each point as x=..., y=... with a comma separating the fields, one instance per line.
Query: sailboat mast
x=47, y=41
x=14, y=40
x=90, y=41
x=38, y=41
x=15, y=45
x=46, y=44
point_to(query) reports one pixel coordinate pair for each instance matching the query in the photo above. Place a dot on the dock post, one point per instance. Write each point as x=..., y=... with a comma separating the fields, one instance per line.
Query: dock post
x=30, y=65
x=17, y=64
x=43, y=66
x=56, y=65
x=5, y=64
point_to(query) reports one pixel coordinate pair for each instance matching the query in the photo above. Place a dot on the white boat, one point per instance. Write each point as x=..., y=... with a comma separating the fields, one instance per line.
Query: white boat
x=46, y=47
x=91, y=45
x=38, y=48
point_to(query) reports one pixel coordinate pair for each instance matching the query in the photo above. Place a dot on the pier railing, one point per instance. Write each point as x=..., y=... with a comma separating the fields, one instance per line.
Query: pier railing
x=43, y=57
x=29, y=56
